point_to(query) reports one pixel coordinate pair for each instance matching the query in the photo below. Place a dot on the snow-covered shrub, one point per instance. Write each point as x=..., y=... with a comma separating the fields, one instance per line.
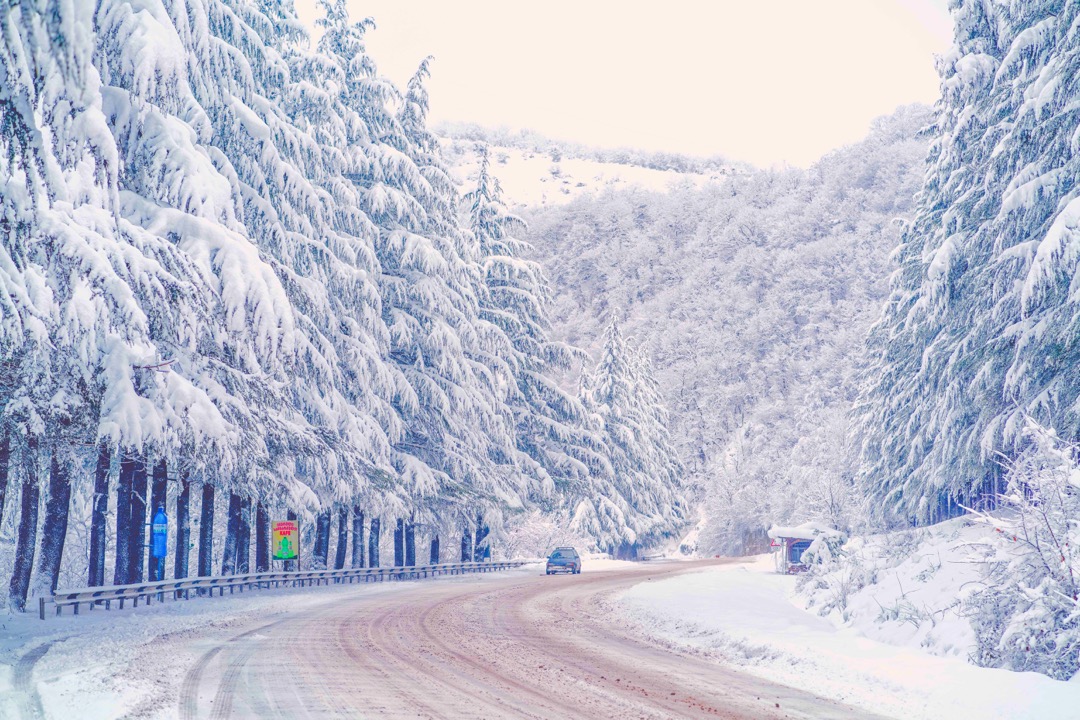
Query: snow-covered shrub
x=907, y=587
x=1028, y=617
x=825, y=549
x=839, y=568
x=836, y=571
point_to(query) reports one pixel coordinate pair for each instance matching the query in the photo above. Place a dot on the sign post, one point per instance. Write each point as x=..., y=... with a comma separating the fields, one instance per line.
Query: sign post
x=285, y=540
x=159, y=535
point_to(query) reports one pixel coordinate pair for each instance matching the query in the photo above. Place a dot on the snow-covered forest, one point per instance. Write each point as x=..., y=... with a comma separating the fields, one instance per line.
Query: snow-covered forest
x=238, y=282
x=753, y=298
x=242, y=279
x=882, y=341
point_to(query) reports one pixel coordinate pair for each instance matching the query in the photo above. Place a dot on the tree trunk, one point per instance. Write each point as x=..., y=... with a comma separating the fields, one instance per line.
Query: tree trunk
x=24, y=549
x=466, y=546
x=232, y=529
x=124, y=484
x=291, y=565
x=206, y=532
x=155, y=567
x=99, y=514
x=399, y=543
x=434, y=557
x=410, y=543
x=54, y=529
x=342, y=538
x=322, y=540
x=482, y=549
x=183, y=528
x=373, y=542
x=262, y=538
x=5, y=467
x=138, y=521
x=243, y=538
x=357, y=537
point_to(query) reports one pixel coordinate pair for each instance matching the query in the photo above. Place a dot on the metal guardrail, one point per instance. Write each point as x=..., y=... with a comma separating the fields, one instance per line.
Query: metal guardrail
x=205, y=586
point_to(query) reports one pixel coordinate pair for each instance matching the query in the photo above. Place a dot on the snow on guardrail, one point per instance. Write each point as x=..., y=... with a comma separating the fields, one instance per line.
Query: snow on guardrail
x=205, y=586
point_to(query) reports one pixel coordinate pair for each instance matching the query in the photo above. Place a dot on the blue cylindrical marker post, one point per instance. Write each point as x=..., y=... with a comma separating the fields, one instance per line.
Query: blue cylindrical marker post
x=159, y=534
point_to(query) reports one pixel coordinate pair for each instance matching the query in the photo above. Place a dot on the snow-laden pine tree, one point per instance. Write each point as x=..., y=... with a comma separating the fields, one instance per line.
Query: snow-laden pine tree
x=52, y=179
x=979, y=330
x=552, y=429
x=109, y=293
x=174, y=189
x=231, y=260
x=639, y=503
x=446, y=404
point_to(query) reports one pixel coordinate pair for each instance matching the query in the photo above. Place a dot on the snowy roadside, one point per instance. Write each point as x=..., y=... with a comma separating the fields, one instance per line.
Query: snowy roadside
x=110, y=664
x=747, y=617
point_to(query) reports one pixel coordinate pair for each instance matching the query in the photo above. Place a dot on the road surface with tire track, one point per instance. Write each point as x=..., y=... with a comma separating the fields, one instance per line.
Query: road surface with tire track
x=525, y=646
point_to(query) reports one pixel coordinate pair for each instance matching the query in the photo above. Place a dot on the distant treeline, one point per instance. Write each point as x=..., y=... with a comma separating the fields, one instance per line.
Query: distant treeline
x=532, y=141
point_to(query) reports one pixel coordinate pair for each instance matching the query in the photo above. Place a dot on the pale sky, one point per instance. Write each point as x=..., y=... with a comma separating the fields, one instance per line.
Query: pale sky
x=762, y=81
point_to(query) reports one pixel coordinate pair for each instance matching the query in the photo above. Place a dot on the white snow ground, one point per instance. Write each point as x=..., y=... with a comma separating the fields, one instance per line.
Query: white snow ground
x=747, y=616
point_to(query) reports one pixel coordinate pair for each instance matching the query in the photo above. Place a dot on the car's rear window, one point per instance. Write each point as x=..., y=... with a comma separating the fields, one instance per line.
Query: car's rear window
x=564, y=554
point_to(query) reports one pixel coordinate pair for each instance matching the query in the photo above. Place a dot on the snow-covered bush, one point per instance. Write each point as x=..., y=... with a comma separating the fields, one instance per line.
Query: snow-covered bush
x=838, y=568
x=1028, y=616
x=835, y=572
x=826, y=548
x=906, y=587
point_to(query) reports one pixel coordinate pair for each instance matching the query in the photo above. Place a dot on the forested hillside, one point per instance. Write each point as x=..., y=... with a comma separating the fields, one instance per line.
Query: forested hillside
x=752, y=297
x=235, y=273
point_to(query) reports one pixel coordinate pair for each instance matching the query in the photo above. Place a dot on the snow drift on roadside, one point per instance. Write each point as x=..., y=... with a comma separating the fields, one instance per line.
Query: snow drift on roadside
x=746, y=616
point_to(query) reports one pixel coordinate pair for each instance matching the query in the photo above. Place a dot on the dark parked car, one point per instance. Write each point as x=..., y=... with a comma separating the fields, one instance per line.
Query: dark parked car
x=564, y=559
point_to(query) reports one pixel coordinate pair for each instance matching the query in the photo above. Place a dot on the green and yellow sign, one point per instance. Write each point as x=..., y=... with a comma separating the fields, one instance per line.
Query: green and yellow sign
x=285, y=539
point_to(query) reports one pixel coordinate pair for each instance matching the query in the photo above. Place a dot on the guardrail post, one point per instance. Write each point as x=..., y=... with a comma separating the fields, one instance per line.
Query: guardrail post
x=41, y=606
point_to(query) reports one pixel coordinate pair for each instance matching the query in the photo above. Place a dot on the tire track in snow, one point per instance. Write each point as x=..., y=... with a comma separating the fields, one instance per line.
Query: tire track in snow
x=528, y=648
x=29, y=701
x=223, y=698
x=189, y=690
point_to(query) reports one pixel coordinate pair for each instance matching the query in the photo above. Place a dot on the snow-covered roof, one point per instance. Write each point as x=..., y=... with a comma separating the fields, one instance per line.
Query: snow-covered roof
x=806, y=531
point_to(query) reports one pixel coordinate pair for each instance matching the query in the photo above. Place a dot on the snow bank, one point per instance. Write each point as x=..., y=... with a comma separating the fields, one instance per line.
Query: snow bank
x=906, y=588
x=747, y=616
x=602, y=563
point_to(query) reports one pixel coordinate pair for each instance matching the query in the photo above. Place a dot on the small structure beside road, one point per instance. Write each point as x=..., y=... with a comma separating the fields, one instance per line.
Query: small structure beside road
x=790, y=543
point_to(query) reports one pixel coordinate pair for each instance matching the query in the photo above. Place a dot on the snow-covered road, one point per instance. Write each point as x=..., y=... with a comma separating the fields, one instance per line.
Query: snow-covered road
x=517, y=645
x=529, y=646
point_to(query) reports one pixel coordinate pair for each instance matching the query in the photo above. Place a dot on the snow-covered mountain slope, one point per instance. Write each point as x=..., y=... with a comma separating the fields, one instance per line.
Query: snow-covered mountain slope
x=752, y=296
x=536, y=172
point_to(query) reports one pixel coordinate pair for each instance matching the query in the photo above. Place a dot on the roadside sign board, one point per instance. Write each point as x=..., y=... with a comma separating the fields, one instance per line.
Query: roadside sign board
x=285, y=539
